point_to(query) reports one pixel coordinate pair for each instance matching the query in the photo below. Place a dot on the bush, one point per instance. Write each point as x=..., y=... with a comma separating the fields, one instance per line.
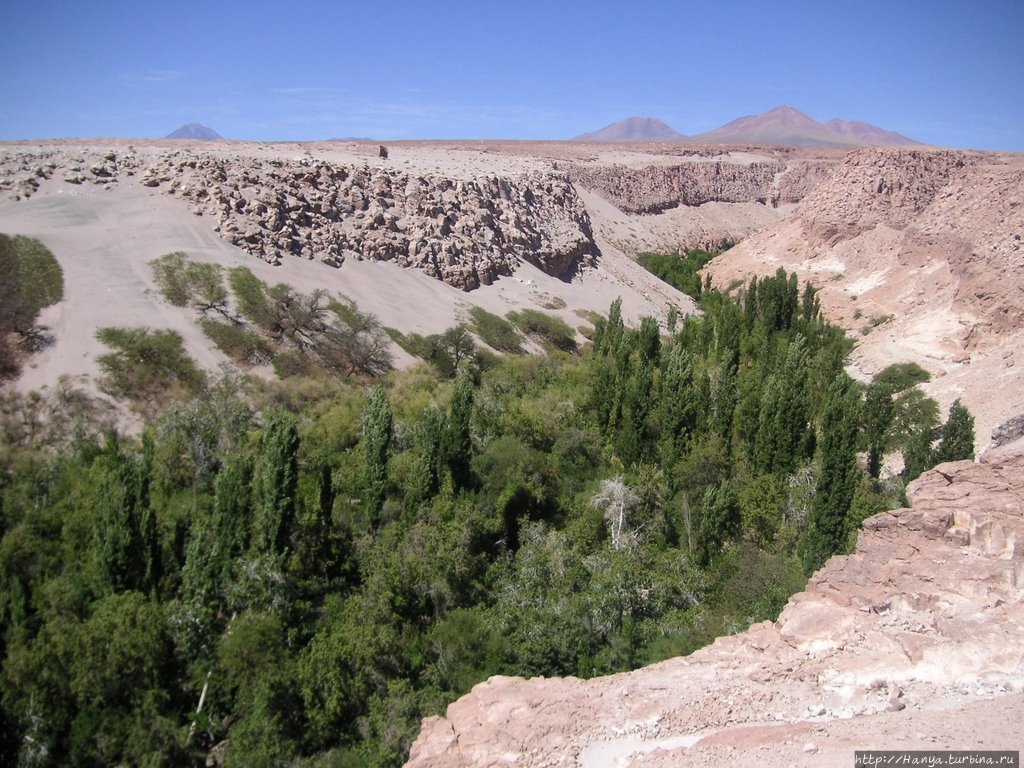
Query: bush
x=251, y=295
x=900, y=377
x=169, y=273
x=550, y=330
x=238, y=342
x=494, y=331
x=32, y=279
x=184, y=282
x=147, y=366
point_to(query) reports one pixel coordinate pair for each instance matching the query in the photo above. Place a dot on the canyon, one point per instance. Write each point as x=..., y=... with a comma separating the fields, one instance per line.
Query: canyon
x=911, y=642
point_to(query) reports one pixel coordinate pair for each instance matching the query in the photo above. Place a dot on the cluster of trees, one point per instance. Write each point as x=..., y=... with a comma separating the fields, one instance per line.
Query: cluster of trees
x=32, y=280
x=681, y=270
x=296, y=572
x=298, y=333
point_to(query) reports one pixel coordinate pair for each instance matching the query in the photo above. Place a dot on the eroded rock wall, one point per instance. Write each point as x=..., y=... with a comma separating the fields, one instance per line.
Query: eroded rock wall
x=465, y=232
x=656, y=188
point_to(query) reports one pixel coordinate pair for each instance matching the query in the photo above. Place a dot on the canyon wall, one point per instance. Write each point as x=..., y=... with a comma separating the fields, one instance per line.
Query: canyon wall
x=918, y=253
x=656, y=188
x=465, y=229
x=465, y=232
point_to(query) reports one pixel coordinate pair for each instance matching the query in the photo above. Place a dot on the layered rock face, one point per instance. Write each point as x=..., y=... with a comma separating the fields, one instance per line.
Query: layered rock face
x=912, y=210
x=925, y=619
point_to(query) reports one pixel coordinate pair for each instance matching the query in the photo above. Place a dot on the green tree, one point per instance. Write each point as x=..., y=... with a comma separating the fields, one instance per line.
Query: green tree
x=957, y=441
x=427, y=470
x=918, y=453
x=453, y=351
x=839, y=476
x=878, y=416
x=720, y=520
x=377, y=429
x=457, y=446
x=677, y=405
x=276, y=482
x=125, y=534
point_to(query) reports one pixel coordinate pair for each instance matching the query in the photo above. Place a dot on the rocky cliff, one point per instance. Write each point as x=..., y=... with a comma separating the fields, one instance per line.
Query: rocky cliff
x=720, y=178
x=466, y=229
x=465, y=232
x=885, y=648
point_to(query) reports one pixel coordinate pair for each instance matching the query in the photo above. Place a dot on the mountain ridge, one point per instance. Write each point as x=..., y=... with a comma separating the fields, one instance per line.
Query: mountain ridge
x=788, y=126
x=781, y=126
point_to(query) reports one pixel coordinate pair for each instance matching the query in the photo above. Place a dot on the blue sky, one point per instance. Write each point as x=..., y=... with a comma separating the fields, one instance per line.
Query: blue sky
x=942, y=72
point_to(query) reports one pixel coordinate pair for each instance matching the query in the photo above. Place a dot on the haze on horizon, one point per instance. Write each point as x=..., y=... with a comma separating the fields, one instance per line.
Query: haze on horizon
x=944, y=73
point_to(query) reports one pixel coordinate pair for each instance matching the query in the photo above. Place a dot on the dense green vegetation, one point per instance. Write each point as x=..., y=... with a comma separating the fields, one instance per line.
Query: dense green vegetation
x=31, y=280
x=494, y=331
x=296, y=572
x=681, y=271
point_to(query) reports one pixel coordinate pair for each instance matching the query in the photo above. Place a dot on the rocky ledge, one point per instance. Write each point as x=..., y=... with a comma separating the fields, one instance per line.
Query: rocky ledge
x=464, y=232
x=925, y=618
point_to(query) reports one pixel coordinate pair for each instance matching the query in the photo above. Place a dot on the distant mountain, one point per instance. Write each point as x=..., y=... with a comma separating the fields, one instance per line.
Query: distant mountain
x=195, y=131
x=788, y=126
x=633, y=129
x=869, y=135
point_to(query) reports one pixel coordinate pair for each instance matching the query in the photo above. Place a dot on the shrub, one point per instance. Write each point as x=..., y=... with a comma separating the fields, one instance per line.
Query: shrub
x=550, y=330
x=238, y=342
x=147, y=366
x=251, y=295
x=494, y=331
x=32, y=279
x=900, y=377
x=169, y=273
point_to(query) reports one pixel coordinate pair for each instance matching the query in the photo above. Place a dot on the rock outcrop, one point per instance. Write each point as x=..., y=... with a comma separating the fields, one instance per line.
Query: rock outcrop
x=657, y=187
x=464, y=232
x=22, y=172
x=926, y=617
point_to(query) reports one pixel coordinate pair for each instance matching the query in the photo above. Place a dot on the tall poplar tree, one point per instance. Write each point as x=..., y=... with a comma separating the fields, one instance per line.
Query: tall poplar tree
x=957, y=442
x=377, y=429
x=839, y=475
x=276, y=478
x=457, y=446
